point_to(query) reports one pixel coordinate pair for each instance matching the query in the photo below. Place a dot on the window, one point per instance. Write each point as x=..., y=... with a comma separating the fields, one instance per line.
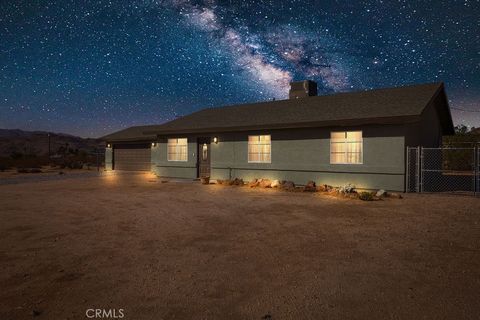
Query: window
x=204, y=151
x=259, y=149
x=346, y=147
x=177, y=149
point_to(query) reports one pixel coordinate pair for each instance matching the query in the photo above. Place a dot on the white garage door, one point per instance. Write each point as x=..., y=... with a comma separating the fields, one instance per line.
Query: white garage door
x=132, y=158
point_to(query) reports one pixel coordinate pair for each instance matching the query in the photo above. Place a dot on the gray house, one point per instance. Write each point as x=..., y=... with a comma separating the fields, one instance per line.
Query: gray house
x=357, y=138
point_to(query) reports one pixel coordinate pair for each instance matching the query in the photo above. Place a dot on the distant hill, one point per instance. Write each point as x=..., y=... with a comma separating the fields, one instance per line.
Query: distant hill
x=15, y=141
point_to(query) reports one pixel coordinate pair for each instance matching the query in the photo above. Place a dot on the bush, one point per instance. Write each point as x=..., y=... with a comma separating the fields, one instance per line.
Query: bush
x=365, y=196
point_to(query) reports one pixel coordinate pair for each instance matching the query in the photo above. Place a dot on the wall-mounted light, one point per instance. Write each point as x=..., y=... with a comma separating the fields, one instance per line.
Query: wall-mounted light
x=215, y=140
x=109, y=145
x=154, y=144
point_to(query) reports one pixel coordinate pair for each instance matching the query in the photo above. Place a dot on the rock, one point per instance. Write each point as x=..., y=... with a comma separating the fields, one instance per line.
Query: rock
x=265, y=183
x=226, y=182
x=395, y=195
x=348, y=188
x=254, y=183
x=238, y=182
x=310, y=187
x=324, y=188
x=365, y=196
x=275, y=184
x=288, y=185
x=381, y=193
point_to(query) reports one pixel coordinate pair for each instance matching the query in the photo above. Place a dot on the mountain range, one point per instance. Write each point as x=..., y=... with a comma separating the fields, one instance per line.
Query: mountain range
x=16, y=141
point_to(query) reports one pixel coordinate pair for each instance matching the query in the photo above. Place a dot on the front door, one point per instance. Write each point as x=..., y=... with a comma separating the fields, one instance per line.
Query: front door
x=203, y=156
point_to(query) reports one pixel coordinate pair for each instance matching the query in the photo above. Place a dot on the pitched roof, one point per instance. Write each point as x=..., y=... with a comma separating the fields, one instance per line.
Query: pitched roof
x=137, y=133
x=380, y=106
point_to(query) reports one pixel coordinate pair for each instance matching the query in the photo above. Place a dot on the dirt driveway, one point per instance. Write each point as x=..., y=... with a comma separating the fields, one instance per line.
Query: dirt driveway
x=187, y=251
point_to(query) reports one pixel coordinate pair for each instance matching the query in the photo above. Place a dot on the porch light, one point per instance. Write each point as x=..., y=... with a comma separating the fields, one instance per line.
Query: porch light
x=215, y=140
x=108, y=145
x=154, y=144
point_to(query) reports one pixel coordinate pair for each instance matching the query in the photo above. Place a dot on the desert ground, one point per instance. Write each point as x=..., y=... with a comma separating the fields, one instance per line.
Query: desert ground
x=182, y=250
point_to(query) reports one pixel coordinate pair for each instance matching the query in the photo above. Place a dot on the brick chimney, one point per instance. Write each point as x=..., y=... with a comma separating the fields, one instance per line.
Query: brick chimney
x=302, y=89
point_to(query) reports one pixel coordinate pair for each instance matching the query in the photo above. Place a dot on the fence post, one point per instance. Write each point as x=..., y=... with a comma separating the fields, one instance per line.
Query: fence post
x=407, y=178
x=421, y=155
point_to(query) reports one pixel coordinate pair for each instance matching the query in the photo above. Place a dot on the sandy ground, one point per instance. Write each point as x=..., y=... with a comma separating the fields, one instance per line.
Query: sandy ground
x=187, y=251
x=46, y=171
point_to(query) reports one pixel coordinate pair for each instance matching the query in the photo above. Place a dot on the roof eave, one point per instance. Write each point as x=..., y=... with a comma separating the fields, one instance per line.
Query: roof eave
x=136, y=139
x=298, y=125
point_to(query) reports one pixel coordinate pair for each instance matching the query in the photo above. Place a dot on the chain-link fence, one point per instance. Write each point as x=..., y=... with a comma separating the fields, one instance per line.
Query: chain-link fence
x=448, y=169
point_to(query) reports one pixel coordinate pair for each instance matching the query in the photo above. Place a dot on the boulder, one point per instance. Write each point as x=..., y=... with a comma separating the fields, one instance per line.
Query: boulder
x=275, y=184
x=310, y=187
x=324, y=188
x=265, y=183
x=348, y=188
x=254, y=183
x=238, y=182
x=381, y=193
x=288, y=185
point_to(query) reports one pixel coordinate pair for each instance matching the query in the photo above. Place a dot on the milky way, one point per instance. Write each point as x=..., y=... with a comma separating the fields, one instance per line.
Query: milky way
x=93, y=67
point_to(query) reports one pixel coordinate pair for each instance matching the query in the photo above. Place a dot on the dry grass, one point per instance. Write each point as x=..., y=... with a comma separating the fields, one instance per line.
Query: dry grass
x=189, y=251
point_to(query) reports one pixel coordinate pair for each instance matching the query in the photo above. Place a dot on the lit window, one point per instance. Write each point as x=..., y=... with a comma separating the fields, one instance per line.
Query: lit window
x=346, y=147
x=259, y=149
x=177, y=149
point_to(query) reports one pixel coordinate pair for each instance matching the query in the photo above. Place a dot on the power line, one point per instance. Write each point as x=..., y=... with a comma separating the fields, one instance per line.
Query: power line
x=465, y=110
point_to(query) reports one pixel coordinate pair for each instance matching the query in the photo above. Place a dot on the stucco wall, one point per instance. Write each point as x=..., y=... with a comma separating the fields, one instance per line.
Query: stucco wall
x=301, y=160
x=299, y=155
x=178, y=169
x=108, y=158
x=428, y=131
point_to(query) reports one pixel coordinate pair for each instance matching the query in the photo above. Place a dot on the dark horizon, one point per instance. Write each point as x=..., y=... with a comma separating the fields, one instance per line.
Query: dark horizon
x=97, y=68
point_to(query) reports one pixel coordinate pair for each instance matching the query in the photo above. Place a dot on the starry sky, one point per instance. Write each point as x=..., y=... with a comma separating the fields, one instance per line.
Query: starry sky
x=93, y=67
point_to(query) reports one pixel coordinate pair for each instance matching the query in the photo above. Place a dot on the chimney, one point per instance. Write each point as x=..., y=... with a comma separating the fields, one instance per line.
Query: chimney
x=302, y=89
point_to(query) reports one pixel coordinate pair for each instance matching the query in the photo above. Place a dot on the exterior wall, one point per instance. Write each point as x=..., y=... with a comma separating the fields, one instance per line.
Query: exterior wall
x=303, y=155
x=108, y=158
x=177, y=169
x=299, y=155
x=428, y=131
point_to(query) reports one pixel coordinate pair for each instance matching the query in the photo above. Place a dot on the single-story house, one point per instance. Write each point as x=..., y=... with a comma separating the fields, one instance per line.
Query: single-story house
x=358, y=137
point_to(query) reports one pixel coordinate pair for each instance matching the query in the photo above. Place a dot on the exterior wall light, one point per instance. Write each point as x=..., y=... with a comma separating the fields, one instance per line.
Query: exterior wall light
x=215, y=140
x=109, y=145
x=154, y=144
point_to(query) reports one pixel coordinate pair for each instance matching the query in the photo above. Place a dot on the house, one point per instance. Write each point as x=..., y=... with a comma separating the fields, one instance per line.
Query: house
x=358, y=138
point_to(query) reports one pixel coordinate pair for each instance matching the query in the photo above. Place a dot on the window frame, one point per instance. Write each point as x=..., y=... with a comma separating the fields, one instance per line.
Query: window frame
x=176, y=150
x=248, y=148
x=345, y=141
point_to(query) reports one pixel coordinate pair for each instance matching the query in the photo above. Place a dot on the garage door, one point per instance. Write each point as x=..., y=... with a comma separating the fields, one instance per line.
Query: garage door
x=132, y=158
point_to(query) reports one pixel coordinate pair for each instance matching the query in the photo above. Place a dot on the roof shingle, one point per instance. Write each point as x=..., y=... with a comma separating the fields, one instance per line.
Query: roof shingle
x=391, y=105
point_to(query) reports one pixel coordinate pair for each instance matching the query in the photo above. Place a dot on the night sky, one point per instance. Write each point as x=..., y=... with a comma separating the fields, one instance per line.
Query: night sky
x=92, y=67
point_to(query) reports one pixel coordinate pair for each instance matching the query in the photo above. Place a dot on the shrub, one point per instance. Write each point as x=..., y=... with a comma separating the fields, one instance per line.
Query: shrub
x=365, y=196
